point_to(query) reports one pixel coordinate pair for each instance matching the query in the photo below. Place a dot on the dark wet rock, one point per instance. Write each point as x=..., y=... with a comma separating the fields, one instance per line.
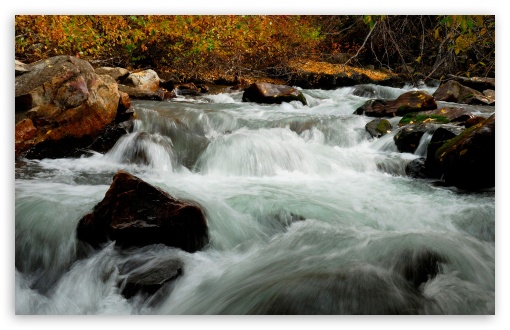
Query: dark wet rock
x=420, y=266
x=408, y=102
x=477, y=83
x=417, y=169
x=134, y=213
x=149, y=276
x=438, y=116
x=474, y=121
x=408, y=138
x=189, y=89
x=203, y=88
x=118, y=74
x=67, y=103
x=442, y=134
x=124, y=111
x=468, y=160
x=378, y=127
x=146, y=80
x=111, y=135
x=452, y=91
x=271, y=94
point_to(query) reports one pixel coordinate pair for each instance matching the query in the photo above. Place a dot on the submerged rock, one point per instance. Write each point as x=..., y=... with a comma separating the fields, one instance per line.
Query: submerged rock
x=149, y=276
x=359, y=290
x=134, y=213
x=271, y=94
x=64, y=105
x=420, y=266
x=468, y=160
x=408, y=102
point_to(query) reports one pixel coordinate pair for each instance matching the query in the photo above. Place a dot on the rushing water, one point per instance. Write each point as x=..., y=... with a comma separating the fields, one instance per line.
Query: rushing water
x=307, y=214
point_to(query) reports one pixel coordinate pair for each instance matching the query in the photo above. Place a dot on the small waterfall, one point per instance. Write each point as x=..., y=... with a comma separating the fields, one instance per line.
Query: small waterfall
x=142, y=148
x=421, y=150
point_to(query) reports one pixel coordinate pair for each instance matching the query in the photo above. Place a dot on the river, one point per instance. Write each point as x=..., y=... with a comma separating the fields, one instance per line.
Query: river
x=307, y=215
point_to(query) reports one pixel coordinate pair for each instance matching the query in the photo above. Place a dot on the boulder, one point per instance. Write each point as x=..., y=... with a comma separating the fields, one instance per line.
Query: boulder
x=378, y=127
x=68, y=105
x=187, y=89
x=134, y=213
x=271, y=94
x=442, y=134
x=453, y=91
x=468, y=160
x=20, y=68
x=478, y=83
x=408, y=138
x=118, y=74
x=408, y=102
x=146, y=80
x=439, y=116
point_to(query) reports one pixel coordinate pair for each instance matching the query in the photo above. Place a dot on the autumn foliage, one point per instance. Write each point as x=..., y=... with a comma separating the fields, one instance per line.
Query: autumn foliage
x=227, y=45
x=193, y=45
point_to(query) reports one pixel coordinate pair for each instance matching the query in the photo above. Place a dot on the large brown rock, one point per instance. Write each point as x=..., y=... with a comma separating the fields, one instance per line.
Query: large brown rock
x=453, y=91
x=408, y=102
x=146, y=80
x=271, y=94
x=468, y=160
x=134, y=213
x=116, y=73
x=67, y=103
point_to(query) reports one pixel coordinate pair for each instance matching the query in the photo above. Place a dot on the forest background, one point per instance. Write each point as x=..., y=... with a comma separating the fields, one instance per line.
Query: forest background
x=223, y=46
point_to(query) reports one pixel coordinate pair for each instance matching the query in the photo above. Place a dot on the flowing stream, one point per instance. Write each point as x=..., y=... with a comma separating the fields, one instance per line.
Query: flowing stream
x=307, y=215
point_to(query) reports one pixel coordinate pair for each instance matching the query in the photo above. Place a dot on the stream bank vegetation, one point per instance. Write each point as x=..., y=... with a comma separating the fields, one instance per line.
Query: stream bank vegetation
x=272, y=46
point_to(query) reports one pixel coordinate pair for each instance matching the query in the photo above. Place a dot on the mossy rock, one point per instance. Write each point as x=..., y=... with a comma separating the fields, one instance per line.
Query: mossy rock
x=415, y=118
x=468, y=160
x=378, y=127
